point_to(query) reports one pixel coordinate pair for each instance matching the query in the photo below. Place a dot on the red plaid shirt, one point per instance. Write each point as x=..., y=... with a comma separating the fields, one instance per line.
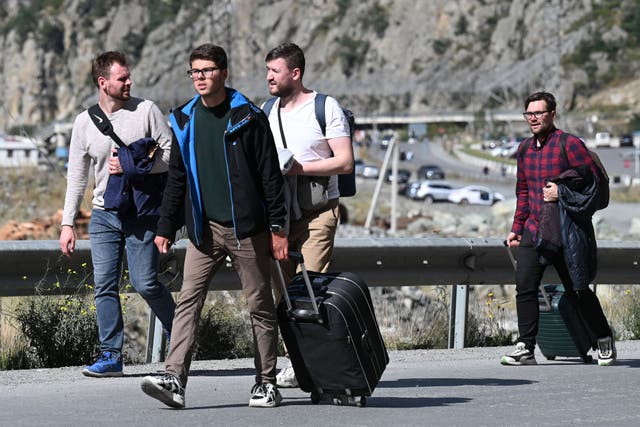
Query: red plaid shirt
x=537, y=166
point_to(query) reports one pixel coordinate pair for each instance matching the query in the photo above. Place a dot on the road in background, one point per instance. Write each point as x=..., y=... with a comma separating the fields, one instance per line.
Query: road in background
x=617, y=216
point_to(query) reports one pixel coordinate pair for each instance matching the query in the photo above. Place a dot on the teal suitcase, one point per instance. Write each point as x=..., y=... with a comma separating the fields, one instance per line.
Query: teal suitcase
x=561, y=330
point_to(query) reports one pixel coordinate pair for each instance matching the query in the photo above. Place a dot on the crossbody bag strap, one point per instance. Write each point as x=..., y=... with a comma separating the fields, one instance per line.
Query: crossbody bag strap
x=284, y=141
x=103, y=124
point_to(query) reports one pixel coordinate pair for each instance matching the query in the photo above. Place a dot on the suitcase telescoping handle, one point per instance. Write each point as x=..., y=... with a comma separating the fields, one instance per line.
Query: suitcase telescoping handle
x=547, y=301
x=315, y=315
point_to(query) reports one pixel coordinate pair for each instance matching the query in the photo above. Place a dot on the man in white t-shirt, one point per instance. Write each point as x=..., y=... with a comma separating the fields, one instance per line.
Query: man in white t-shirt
x=331, y=154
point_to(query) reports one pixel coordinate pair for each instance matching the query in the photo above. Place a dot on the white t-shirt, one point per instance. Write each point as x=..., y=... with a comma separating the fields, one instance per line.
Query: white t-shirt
x=304, y=136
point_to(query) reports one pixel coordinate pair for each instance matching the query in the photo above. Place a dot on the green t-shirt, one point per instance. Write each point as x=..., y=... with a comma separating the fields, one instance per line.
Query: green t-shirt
x=210, y=124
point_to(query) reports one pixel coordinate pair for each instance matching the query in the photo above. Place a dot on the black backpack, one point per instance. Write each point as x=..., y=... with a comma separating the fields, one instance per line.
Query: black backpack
x=347, y=182
x=603, y=176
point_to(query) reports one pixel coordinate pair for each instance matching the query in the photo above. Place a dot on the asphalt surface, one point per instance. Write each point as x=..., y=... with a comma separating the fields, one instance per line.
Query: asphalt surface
x=427, y=387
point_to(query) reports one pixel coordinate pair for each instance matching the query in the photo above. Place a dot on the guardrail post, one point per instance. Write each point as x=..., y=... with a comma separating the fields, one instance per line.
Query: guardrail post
x=458, y=315
x=155, y=340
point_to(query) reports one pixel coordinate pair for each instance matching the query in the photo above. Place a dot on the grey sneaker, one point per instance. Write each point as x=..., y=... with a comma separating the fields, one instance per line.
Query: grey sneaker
x=520, y=356
x=166, y=388
x=265, y=395
x=286, y=378
x=607, y=353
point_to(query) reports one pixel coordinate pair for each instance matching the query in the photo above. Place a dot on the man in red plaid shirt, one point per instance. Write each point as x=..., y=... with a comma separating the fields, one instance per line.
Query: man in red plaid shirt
x=541, y=159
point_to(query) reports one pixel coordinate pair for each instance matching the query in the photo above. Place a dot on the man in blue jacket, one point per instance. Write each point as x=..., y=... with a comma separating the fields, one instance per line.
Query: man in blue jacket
x=225, y=184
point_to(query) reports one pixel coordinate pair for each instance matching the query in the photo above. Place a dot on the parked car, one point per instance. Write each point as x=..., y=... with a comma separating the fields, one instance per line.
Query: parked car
x=603, y=139
x=426, y=172
x=626, y=140
x=370, y=171
x=403, y=175
x=475, y=195
x=430, y=191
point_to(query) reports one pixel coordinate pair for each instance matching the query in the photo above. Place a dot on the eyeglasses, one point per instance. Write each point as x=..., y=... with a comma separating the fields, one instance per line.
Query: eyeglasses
x=537, y=114
x=206, y=72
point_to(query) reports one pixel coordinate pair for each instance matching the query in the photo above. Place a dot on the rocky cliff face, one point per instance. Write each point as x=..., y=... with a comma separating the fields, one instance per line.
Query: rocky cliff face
x=377, y=56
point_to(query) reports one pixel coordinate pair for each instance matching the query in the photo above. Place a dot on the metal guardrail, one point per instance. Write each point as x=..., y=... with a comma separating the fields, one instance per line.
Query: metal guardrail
x=457, y=262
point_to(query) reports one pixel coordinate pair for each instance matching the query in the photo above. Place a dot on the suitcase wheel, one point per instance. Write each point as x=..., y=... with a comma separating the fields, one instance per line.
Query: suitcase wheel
x=361, y=401
x=340, y=400
x=315, y=398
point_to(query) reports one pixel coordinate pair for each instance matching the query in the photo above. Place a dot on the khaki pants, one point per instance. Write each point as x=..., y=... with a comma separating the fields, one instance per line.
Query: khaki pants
x=252, y=262
x=313, y=235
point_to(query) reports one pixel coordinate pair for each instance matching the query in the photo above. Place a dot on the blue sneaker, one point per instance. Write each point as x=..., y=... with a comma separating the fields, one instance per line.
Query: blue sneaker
x=107, y=365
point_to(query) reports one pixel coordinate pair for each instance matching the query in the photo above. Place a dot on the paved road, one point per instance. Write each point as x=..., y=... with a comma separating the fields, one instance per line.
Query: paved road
x=427, y=387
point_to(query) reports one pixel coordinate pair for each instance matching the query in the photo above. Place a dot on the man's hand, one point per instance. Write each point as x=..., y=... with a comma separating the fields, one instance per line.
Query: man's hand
x=295, y=169
x=513, y=239
x=163, y=244
x=114, y=163
x=550, y=192
x=67, y=240
x=279, y=246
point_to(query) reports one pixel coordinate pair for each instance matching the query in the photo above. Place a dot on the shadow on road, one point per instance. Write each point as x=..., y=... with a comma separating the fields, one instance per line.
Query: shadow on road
x=388, y=402
x=205, y=373
x=451, y=382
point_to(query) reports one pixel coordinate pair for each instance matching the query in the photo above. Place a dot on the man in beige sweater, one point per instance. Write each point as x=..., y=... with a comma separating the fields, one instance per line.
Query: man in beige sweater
x=113, y=231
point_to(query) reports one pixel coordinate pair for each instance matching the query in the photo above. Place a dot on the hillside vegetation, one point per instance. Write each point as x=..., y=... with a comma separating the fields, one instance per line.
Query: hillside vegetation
x=377, y=56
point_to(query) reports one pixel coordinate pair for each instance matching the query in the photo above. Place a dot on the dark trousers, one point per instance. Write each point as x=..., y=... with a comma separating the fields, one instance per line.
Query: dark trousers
x=528, y=277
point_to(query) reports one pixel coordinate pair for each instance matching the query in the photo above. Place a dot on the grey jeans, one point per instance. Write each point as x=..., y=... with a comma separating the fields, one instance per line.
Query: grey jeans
x=252, y=261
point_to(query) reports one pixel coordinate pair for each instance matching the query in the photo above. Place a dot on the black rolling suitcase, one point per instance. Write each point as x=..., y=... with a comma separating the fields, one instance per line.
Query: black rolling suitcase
x=332, y=337
x=561, y=330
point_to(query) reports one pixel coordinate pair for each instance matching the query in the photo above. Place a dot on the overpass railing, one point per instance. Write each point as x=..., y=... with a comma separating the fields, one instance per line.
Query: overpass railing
x=457, y=262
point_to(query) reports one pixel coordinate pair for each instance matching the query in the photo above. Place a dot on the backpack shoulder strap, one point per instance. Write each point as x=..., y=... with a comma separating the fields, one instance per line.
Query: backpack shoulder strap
x=268, y=105
x=524, y=147
x=320, y=100
x=563, y=146
x=103, y=124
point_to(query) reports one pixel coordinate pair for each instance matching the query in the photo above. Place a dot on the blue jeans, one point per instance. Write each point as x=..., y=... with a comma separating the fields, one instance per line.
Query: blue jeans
x=110, y=234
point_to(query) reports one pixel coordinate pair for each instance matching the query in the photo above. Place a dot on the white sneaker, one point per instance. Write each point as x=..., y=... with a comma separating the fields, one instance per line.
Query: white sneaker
x=265, y=396
x=520, y=356
x=286, y=378
x=166, y=388
x=607, y=353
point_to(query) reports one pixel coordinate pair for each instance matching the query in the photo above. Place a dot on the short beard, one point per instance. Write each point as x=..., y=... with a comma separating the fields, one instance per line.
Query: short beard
x=283, y=93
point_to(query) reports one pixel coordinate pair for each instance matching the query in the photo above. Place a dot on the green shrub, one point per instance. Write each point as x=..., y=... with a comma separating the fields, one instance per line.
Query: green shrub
x=60, y=330
x=351, y=53
x=16, y=355
x=424, y=326
x=224, y=331
x=461, y=26
x=376, y=19
x=486, y=325
x=440, y=46
x=630, y=307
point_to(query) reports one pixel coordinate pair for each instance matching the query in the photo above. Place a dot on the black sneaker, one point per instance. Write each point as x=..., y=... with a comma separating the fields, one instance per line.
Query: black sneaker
x=520, y=356
x=265, y=395
x=166, y=388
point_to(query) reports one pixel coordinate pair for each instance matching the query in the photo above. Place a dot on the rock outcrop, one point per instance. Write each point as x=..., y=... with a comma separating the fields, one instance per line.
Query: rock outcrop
x=377, y=56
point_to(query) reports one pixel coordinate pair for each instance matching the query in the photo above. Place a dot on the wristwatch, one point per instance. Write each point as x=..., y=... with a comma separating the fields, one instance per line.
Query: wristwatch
x=275, y=228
